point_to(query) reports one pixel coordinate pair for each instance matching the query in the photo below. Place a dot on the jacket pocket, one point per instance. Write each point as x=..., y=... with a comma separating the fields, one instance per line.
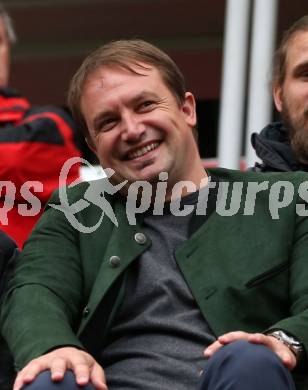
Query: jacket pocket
x=267, y=274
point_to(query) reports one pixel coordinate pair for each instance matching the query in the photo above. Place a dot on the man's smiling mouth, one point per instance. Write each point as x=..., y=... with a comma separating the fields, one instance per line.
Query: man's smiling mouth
x=142, y=151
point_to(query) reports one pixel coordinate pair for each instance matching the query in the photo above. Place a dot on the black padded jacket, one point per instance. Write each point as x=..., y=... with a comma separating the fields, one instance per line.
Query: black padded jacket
x=272, y=146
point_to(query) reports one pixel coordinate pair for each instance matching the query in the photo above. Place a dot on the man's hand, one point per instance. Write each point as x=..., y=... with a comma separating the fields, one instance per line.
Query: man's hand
x=284, y=353
x=85, y=368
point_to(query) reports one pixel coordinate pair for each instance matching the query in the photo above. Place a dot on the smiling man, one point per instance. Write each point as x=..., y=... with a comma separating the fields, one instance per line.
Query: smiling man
x=138, y=127
x=141, y=124
x=283, y=146
x=174, y=301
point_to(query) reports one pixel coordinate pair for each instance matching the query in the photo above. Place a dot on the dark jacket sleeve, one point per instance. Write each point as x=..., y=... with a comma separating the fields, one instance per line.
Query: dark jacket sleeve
x=8, y=257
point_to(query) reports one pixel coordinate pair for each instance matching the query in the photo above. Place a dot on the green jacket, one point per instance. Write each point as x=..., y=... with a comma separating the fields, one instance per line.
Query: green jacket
x=246, y=272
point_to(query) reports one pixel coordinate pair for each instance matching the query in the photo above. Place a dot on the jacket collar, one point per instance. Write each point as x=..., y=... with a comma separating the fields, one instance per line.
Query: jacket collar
x=272, y=146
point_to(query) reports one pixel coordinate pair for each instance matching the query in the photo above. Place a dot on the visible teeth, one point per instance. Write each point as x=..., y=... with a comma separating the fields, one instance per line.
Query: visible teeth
x=142, y=151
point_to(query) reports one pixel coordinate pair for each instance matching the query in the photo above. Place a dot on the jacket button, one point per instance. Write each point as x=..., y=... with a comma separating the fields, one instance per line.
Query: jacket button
x=86, y=311
x=114, y=261
x=140, y=238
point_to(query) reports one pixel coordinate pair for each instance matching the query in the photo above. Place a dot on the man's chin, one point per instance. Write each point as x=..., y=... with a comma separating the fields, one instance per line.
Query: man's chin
x=148, y=174
x=149, y=178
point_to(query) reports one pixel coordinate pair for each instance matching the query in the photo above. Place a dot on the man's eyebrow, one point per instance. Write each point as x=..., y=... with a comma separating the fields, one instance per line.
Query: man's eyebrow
x=144, y=95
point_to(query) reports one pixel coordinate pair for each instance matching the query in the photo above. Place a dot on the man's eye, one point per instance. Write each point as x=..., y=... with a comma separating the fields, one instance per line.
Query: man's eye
x=107, y=124
x=302, y=74
x=146, y=105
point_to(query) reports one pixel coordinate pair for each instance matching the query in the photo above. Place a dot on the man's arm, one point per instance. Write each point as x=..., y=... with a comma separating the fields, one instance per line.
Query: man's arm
x=42, y=309
x=44, y=300
x=296, y=324
x=47, y=293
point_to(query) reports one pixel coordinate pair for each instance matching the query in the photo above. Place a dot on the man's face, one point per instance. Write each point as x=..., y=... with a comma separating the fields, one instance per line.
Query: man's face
x=4, y=56
x=291, y=98
x=138, y=128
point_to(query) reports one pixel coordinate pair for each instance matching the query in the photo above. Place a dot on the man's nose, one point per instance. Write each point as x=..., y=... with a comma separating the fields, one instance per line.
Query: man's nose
x=133, y=128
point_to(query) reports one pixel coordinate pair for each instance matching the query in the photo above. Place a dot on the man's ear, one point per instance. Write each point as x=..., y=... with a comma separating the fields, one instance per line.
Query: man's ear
x=278, y=98
x=189, y=109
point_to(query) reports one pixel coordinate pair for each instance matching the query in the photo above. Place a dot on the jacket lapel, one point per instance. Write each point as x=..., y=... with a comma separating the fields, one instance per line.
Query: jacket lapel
x=123, y=249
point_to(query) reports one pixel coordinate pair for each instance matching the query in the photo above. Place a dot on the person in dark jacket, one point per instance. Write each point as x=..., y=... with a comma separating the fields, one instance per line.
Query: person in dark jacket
x=283, y=146
x=8, y=257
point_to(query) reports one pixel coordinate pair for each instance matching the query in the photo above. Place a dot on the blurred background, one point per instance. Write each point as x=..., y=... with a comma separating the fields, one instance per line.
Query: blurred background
x=55, y=35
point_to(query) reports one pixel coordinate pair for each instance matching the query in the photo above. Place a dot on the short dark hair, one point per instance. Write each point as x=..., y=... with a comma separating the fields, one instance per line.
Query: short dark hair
x=124, y=54
x=280, y=57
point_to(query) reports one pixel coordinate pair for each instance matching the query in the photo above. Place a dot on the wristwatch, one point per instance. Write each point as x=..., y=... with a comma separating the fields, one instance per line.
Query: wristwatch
x=292, y=343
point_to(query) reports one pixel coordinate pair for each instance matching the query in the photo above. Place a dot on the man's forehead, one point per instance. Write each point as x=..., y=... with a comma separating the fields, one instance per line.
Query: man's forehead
x=106, y=81
x=298, y=46
x=112, y=75
x=137, y=69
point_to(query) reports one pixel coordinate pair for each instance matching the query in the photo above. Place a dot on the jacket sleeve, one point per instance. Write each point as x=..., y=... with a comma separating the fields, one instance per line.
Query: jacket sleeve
x=43, y=140
x=8, y=258
x=296, y=323
x=42, y=307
